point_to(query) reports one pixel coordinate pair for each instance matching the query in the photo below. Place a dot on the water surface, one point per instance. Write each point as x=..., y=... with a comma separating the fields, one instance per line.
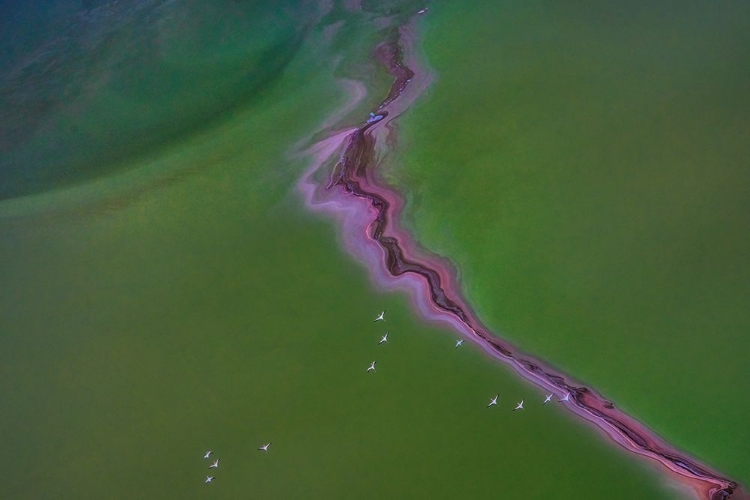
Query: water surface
x=591, y=185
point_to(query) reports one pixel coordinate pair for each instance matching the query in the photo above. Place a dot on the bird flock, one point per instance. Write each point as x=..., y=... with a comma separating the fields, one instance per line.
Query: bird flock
x=215, y=463
x=459, y=343
x=381, y=317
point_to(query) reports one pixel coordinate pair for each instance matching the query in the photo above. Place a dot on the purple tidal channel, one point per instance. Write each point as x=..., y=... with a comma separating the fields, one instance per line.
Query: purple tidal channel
x=368, y=213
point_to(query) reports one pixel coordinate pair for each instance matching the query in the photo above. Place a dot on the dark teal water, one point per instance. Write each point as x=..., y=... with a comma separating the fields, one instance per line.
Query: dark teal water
x=84, y=86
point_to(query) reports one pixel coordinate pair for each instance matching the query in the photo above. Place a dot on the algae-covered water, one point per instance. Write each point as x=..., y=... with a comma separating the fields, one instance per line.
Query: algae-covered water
x=590, y=180
x=164, y=292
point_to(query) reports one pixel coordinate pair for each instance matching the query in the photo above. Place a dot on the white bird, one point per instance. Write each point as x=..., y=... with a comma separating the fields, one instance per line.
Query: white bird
x=519, y=406
x=372, y=367
x=214, y=465
x=384, y=338
x=493, y=401
x=459, y=343
x=208, y=454
x=547, y=399
x=209, y=479
x=265, y=447
x=381, y=317
x=566, y=398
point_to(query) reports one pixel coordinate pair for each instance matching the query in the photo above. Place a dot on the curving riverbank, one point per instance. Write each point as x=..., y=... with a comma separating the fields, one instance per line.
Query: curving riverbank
x=369, y=214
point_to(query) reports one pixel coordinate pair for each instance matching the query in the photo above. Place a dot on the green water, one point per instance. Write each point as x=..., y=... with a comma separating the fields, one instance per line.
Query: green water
x=189, y=302
x=209, y=316
x=589, y=178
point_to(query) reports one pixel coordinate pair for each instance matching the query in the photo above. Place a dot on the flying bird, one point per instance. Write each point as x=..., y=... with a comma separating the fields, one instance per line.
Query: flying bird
x=265, y=447
x=566, y=398
x=384, y=338
x=381, y=317
x=209, y=479
x=547, y=399
x=208, y=454
x=459, y=343
x=493, y=401
x=214, y=465
x=372, y=367
x=519, y=406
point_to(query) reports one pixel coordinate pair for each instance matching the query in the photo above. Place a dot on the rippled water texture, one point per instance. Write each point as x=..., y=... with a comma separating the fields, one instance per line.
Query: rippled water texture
x=85, y=88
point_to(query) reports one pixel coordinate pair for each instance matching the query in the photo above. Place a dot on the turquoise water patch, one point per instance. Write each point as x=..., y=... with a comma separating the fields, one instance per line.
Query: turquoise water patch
x=87, y=89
